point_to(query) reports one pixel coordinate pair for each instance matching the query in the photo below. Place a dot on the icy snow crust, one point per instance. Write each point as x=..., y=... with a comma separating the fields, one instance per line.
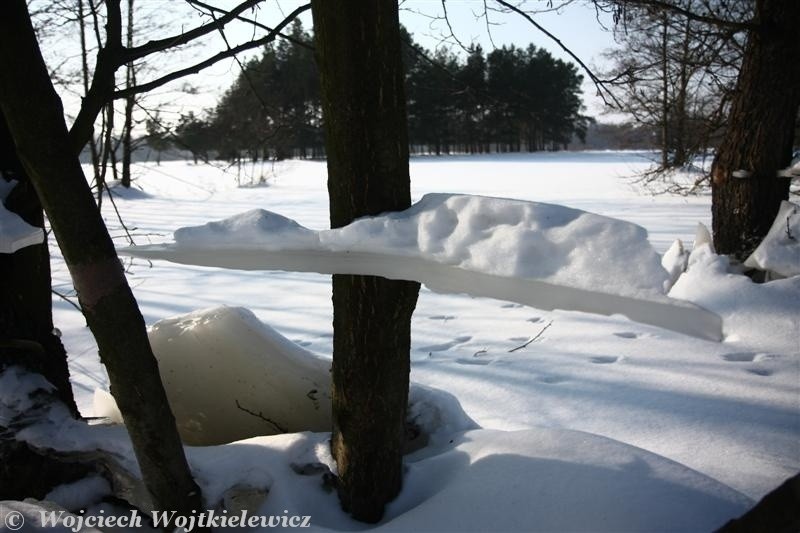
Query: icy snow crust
x=538, y=254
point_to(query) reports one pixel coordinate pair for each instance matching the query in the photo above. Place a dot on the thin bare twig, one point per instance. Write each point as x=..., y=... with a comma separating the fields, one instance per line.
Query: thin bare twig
x=260, y=415
x=231, y=52
x=66, y=299
x=537, y=336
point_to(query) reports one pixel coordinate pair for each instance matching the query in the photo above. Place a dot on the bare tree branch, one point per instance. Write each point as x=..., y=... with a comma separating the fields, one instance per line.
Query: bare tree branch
x=160, y=45
x=231, y=52
x=707, y=19
x=450, y=27
x=253, y=22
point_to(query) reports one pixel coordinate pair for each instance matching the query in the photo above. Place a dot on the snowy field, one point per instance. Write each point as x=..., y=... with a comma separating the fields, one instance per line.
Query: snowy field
x=721, y=418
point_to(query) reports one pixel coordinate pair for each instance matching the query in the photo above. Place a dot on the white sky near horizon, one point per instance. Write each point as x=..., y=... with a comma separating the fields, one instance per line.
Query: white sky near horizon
x=580, y=28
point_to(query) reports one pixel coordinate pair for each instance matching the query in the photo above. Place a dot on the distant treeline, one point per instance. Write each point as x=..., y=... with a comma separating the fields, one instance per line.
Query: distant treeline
x=510, y=100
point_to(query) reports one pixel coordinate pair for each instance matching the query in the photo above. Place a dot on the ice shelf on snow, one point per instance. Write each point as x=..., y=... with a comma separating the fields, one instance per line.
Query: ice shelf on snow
x=543, y=255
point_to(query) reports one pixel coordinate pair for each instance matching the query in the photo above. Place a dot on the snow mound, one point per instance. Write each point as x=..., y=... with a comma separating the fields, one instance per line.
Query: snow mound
x=15, y=233
x=557, y=480
x=779, y=252
x=513, y=238
x=485, y=480
x=543, y=255
x=228, y=376
x=254, y=228
x=761, y=316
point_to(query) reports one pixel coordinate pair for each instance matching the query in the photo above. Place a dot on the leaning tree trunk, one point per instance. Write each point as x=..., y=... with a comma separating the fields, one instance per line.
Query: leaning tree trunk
x=366, y=139
x=26, y=307
x=760, y=132
x=35, y=119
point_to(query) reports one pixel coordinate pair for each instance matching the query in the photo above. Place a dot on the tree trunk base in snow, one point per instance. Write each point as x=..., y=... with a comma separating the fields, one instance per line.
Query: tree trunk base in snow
x=27, y=472
x=777, y=512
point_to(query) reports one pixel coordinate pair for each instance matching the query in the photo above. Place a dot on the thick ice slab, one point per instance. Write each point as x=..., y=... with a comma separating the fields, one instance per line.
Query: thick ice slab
x=542, y=255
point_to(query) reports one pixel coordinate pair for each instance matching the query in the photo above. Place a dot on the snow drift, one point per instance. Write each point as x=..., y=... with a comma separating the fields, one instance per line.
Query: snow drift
x=542, y=255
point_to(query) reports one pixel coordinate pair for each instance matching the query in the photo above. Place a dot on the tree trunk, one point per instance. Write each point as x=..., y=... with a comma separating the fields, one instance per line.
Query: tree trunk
x=665, y=144
x=26, y=312
x=358, y=51
x=34, y=115
x=759, y=137
x=130, y=101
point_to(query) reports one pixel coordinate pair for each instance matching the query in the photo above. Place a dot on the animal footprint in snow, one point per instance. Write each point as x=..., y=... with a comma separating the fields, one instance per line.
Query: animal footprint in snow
x=551, y=380
x=511, y=306
x=446, y=345
x=739, y=357
x=535, y=319
x=473, y=361
x=626, y=335
x=444, y=318
x=604, y=359
x=760, y=371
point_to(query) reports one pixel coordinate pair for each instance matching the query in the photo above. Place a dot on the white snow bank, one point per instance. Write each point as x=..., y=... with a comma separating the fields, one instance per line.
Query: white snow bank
x=483, y=480
x=229, y=376
x=255, y=228
x=15, y=233
x=542, y=255
x=557, y=480
x=779, y=252
x=761, y=316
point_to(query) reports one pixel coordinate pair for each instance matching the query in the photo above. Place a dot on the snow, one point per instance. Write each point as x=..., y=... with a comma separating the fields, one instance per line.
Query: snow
x=674, y=261
x=779, y=252
x=543, y=255
x=667, y=421
x=15, y=233
x=770, y=322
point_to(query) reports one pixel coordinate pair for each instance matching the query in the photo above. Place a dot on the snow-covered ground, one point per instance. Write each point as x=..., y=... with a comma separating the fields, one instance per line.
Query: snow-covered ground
x=728, y=410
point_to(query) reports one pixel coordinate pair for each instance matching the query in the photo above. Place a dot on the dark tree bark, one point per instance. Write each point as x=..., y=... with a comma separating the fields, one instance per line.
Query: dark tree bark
x=760, y=132
x=358, y=52
x=26, y=313
x=35, y=119
x=130, y=101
